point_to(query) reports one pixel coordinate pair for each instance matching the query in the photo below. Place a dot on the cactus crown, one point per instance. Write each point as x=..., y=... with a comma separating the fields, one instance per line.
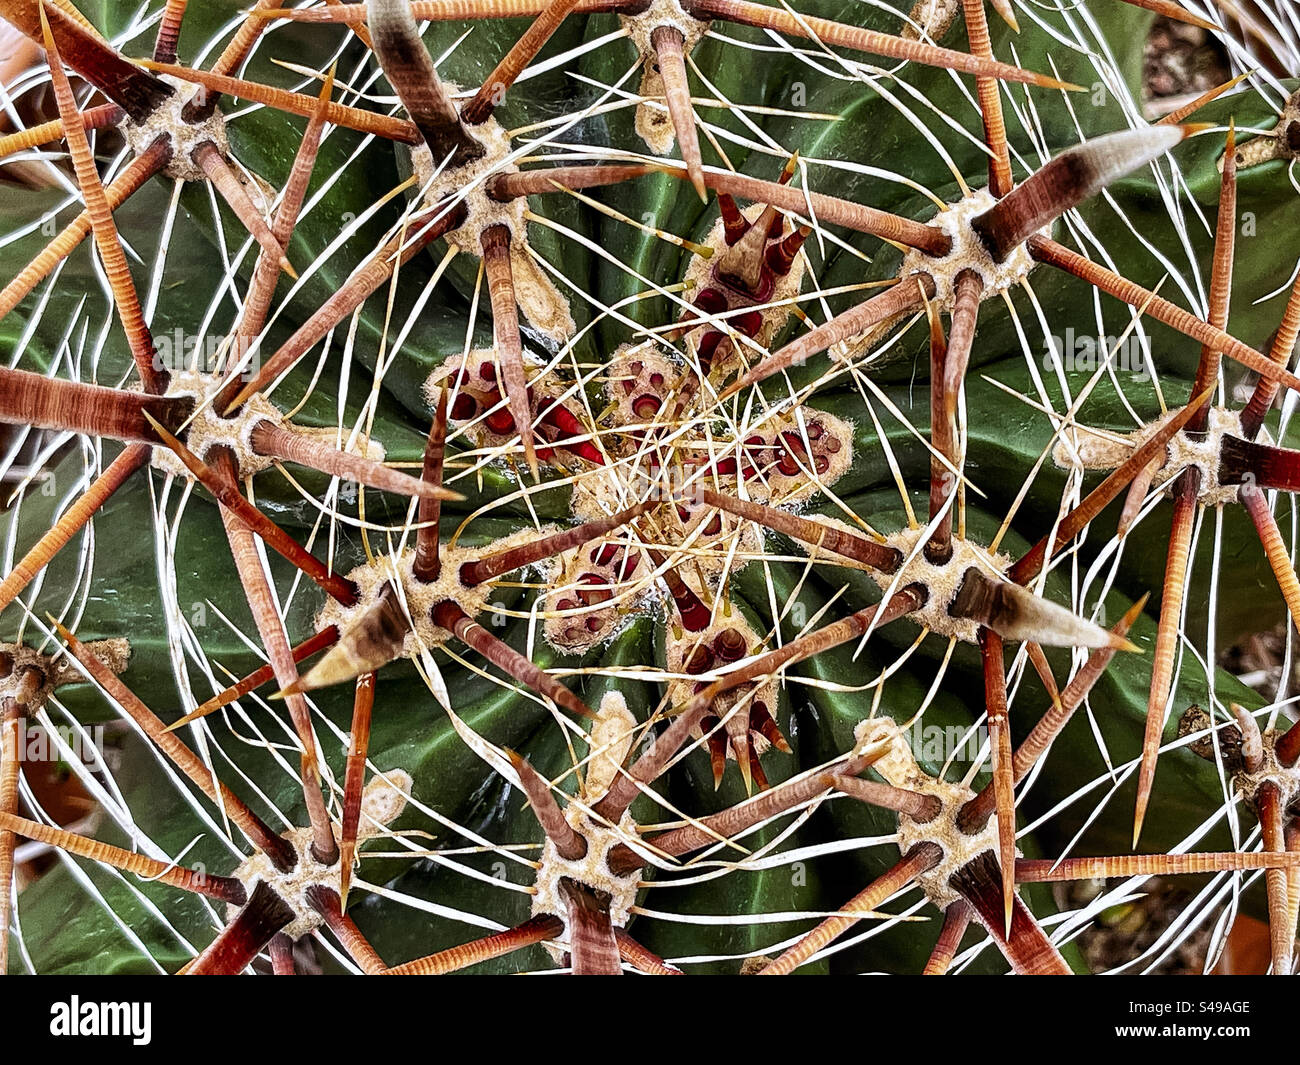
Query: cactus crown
x=573, y=352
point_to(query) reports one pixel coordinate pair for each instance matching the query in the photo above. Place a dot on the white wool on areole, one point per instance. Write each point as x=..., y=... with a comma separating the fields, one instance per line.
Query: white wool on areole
x=653, y=123
x=942, y=580
x=206, y=429
x=777, y=308
x=545, y=308
x=611, y=738
x=1286, y=779
x=1093, y=449
x=969, y=252
x=167, y=120
x=382, y=802
x=420, y=597
x=898, y=767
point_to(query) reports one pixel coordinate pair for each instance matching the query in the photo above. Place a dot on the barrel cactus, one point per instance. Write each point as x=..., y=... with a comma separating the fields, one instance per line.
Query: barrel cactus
x=749, y=488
